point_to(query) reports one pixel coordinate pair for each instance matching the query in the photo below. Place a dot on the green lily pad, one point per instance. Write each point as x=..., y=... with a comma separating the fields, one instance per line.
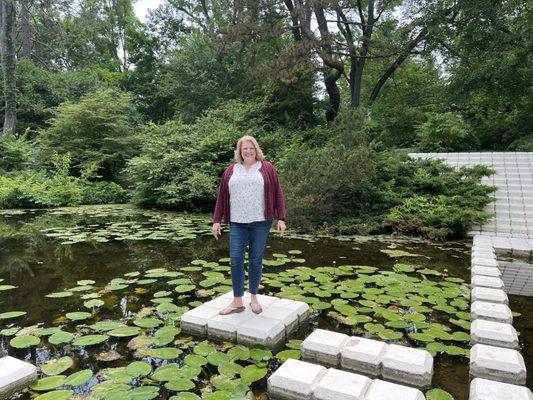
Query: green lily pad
x=438, y=394
x=89, y=340
x=388, y=334
x=93, y=303
x=61, y=337
x=78, y=378
x=48, y=383
x=58, y=295
x=124, y=332
x=138, y=368
x=55, y=395
x=12, y=314
x=147, y=322
x=286, y=354
x=165, y=353
x=253, y=373
x=178, y=385
x=55, y=367
x=143, y=393
x=25, y=341
x=185, y=396
x=78, y=316
x=6, y=287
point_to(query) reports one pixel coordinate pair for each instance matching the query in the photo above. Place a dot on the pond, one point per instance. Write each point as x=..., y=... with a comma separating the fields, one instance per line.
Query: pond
x=101, y=289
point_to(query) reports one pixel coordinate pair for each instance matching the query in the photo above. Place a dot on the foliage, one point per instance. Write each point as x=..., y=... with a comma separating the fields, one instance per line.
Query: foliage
x=14, y=153
x=351, y=185
x=180, y=164
x=97, y=129
x=445, y=133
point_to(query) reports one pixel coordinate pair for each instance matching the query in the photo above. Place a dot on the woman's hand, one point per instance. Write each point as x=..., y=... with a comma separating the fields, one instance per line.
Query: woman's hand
x=215, y=230
x=281, y=227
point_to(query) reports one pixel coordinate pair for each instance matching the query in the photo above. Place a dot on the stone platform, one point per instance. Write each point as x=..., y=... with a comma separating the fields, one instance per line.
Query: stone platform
x=405, y=365
x=15, y=375
x=300, y=380
x=279, y=320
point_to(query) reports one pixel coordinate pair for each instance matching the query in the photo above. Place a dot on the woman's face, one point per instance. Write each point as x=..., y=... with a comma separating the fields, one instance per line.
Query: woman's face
x=247, y=151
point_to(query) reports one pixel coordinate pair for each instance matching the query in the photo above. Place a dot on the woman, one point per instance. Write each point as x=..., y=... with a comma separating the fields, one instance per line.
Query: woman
x=249, y=198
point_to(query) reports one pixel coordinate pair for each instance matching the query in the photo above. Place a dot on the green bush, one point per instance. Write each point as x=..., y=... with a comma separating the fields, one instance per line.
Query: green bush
x=15, y=152
x=445, y=132
x=525, y=143
x=350, y=185
x=181, y=164
x=99, y=129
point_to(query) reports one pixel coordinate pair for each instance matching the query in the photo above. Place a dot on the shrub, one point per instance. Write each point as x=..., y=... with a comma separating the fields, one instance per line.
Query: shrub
x=350, y=185
x=525, y=143
x=14, y=152
x=445, y=132
x=100, y=128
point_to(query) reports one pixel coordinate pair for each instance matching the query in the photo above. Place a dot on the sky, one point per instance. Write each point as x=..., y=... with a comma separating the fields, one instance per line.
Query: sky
x=141, y=8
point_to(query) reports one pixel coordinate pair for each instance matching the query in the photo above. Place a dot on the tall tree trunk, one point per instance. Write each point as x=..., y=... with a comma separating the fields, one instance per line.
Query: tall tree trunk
x=331, y=76
x=8, y=65
x=358, y=63
x=26, y=30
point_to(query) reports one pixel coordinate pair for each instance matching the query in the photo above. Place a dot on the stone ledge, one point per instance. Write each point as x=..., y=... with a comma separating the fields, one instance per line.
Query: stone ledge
x=15, y=375
x=497, y=363
x=493, y=334
x=484, y=389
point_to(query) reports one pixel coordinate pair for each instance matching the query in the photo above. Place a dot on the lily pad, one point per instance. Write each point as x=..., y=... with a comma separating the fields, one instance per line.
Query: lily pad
x=23, y=342
x=55, y=367
x=78, y=316
x=178, y=385
x=61, y=337
x=78, y=378
x=48, y=383
x=89, y=340
x=253, y=373
x=286, y=354
x=124, y=332
x=438, y=394
x=12, y=314
x=55, y=395
x=138, y=368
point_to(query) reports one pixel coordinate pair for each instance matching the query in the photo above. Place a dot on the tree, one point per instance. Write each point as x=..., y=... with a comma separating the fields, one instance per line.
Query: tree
x=8, y=65
x=351, y=34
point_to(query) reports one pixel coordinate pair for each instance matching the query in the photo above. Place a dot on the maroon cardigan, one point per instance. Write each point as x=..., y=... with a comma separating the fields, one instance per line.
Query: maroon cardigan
x=274, y=199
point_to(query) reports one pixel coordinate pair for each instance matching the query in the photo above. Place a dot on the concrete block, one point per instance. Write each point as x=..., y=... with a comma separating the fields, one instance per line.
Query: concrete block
x=489, y=295
x=487, y=281
x=497, y=363
x=407, y=365
x=195, y=321
x=224, y=327
x=341, y=385
x=381, y=390
x=493, y=334
x=323, y=347
x=484, y=389
x=486, y=262
x=294, y=380
x=491, y=311
x=15, y=375
x=287, y=317
x=486, y=271
x=260, y=330
x=363, y=356
x=299, y=307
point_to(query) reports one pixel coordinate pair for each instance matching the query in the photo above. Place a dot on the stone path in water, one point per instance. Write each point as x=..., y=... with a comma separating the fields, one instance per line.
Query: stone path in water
x=496, y=364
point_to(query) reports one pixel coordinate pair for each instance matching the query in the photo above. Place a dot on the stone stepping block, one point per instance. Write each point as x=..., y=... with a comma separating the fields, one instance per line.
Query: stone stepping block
x=493, y=334
x=260, y=330
x=497, y=363
x=484, y=389
x=491, y=311
x=487, y=262
x=299, y=307
x=323, y=347
x=15, y=375
x=487, y=281
x=486, y=271
x=295, y=380
x=341, y=385
x=288, y=317
x=363, y=355
x=407, y=365
x=381, y=390
x=489, y=295
x=280, y=317
x=195, y=321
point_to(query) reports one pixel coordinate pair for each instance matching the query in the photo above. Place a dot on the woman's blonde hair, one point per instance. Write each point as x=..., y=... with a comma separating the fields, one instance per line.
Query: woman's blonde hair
x=258, y=152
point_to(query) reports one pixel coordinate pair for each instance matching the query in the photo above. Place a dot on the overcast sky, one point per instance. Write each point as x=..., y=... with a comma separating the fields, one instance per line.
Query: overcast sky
x=141, y=7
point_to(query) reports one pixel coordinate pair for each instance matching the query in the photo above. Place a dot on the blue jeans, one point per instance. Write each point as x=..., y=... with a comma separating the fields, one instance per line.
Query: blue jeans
x=253, y=234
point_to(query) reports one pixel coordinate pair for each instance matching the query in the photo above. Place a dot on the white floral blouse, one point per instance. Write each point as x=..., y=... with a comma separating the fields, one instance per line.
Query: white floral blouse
x=247, y=194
